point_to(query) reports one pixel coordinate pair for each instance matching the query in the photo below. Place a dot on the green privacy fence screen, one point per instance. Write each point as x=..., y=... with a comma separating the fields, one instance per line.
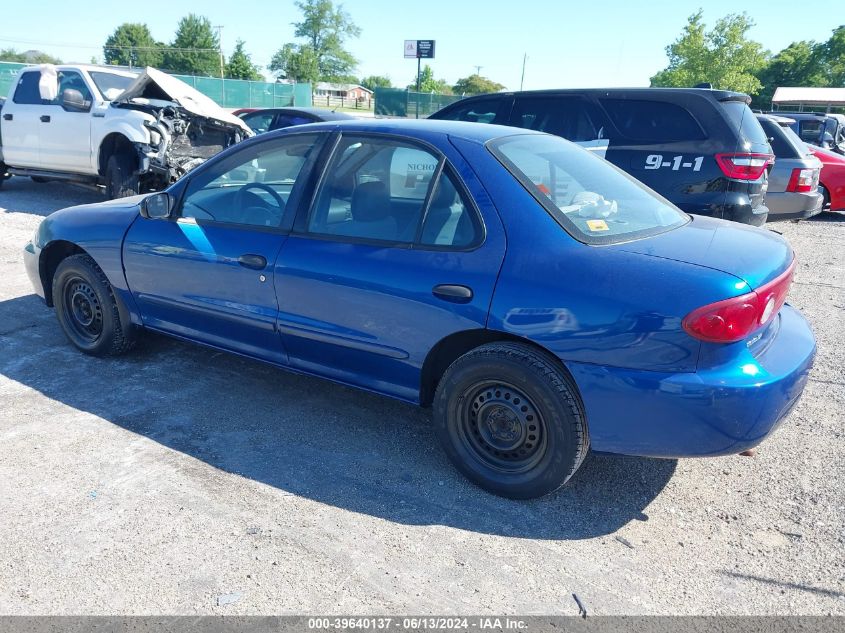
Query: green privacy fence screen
x=8, y=73
x=230, y=93
x=404, y=103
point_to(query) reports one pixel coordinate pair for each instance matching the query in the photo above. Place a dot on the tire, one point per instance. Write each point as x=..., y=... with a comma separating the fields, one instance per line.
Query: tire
x=87, y=310
x=121, y=179
x=825, y=197
x=511, y=420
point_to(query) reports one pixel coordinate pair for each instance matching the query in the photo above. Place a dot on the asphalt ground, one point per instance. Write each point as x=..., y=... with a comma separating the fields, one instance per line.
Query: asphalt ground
x=182, y=480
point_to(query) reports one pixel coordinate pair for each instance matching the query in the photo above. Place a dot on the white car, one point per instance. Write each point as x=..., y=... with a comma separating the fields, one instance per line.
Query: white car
x=131, y=132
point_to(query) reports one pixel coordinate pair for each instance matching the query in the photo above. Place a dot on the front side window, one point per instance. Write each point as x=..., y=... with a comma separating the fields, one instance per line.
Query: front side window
x=70, y=80
x=251, y=187
x=387, y=190
x=592, y=200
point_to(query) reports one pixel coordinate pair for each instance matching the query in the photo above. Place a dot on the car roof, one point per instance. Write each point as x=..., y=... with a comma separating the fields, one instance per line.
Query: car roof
x=325, y=115
x=719, y=95
x=780, y=120
x=422, y=129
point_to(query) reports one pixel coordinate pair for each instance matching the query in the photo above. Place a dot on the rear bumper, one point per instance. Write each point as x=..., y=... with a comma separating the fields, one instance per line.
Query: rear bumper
x=717, y=411
x=793, y=206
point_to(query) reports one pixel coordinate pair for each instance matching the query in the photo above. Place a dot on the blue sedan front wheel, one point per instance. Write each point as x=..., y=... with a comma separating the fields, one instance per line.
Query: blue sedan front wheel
x=509, y=418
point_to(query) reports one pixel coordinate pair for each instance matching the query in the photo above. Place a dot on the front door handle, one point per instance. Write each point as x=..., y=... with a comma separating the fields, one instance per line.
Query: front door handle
x=453, y=293
x=45, y=118
x=8, y=117
x=255, y=262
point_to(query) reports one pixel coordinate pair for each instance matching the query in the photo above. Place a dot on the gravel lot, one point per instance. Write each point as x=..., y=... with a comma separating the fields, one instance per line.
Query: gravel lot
x=180, y=480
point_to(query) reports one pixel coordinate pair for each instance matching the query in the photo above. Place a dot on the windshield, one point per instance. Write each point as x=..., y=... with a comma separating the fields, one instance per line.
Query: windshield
x=591, y=199
x=109, y=84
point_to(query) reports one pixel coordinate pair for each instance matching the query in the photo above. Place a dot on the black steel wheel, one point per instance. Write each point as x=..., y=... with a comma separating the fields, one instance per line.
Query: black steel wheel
x=503, y=427
x=83, y=311
x=87, y=309
x=510, y=418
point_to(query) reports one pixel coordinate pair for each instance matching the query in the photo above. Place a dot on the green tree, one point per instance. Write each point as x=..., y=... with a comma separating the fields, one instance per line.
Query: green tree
x=429, y=84
x=240, y=65
x=296, y=62
x=27, y=57
x=476, y=85
x=195, y=49
x=799, y=64
x=832, y=53
x=376, y=81
x=132, y=44
x=722, y=56
x=325, y=28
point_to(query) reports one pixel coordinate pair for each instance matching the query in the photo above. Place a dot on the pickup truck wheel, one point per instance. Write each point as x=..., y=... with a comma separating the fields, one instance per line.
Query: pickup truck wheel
x=121, y=179
x=509, y=418
x=86, y=308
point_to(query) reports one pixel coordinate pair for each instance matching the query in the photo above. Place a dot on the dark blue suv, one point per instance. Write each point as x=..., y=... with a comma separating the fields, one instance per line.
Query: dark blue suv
x=701, y=149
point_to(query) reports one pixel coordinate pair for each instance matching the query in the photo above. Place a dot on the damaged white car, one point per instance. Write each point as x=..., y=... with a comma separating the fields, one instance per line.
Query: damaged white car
x=129, y=132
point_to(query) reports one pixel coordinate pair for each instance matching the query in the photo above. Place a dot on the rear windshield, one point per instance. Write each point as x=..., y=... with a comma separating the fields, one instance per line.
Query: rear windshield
x=796, y=140
x=592, y=200
x=745, y=122
x=784, y=146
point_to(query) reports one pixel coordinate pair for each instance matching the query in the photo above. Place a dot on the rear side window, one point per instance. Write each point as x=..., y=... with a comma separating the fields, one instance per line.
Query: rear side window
x=475, y=111
x=27, y=92
x=592, y=200
x=653, y=121
x=745, y=122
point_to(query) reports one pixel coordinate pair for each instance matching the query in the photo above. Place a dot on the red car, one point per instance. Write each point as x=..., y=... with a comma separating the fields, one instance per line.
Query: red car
x=832, y=178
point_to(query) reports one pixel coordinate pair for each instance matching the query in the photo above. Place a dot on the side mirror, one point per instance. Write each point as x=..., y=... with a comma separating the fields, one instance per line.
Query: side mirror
x=157, y=206
x=73, y=101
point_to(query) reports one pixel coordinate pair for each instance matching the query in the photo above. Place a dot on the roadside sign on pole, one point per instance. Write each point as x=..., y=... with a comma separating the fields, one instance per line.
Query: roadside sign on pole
x=419, y=49
x=425, y=49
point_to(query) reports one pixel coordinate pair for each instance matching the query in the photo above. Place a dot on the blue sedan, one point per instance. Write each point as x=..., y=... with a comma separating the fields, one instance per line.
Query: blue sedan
x=544, y=303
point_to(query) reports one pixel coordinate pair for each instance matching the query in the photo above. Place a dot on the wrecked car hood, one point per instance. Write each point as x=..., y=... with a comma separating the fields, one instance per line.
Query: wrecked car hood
x=155, y=85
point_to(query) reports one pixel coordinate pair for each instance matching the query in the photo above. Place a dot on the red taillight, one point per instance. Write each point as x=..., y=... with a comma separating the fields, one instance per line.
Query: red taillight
x=803, y=180
x=744, y=166
x=734, y=319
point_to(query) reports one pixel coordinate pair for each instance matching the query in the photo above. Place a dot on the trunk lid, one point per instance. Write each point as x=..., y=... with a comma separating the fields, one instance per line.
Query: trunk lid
x=756, y=256
x=154, y=84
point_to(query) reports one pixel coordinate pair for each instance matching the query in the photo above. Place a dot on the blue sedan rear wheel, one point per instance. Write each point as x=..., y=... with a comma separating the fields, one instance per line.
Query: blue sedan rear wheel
x=510, y=419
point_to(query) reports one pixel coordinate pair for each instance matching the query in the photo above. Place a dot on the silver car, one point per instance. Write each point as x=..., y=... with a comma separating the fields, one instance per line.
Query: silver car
x=793, y=192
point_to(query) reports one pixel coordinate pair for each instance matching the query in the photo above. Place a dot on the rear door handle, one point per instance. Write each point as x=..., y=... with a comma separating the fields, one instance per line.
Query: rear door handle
x=8, y=117
x=453, y=293
x=45, y=118
x=255, y=262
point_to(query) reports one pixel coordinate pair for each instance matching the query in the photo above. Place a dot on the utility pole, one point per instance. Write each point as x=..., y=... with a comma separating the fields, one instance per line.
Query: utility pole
x=522, y=80
x=478, y=69
x=219, y=28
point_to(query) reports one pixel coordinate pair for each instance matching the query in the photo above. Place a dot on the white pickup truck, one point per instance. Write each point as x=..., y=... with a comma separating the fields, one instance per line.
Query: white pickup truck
x=130, y=132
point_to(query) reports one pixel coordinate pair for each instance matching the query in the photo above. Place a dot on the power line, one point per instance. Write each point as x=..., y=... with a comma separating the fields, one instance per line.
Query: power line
x=123, y=48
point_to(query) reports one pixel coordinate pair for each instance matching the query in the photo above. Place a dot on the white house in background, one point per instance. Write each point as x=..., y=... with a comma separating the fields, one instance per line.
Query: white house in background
x=342, y=91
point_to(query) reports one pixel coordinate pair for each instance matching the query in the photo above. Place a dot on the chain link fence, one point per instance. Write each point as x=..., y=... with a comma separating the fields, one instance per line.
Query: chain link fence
x=229, y=93
x=395, y=102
